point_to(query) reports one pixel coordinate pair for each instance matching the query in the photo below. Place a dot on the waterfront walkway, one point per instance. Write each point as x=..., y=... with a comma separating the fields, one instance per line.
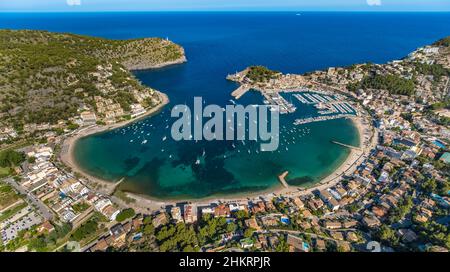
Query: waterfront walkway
x=239, y=92
x=282, y=179
x=346, y=145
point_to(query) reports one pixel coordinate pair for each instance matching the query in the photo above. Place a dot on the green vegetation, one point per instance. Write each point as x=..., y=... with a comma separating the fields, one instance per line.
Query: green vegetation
x=443, y=42
x=86, y=231
x=4, y=172
x=441, y=105
x=52, y=85
x=210, y=229
x=261, y=74
x=7, y=196
x=48, y=242
x=125, y=214
x=392, y=83
x=402, y=209
x=177, y=237
x=80, y=207
x=435, y=70
x=11, y=158
x=10, y=212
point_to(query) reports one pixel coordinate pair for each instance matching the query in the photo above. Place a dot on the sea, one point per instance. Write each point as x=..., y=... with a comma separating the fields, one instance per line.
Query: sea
x=217, y=44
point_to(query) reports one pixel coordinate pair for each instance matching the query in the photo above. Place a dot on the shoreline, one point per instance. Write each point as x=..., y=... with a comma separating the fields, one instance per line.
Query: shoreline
x=147, y=203
x=67, y=154
x=160, y=65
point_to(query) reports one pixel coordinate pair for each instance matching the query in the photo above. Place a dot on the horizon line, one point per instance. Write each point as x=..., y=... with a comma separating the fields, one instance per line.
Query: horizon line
x=206, y=11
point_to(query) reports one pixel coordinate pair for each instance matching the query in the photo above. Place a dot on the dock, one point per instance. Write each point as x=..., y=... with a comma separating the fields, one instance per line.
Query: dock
x=346, y=145
x=239, y=92
x=282, y=179
x=115, y=186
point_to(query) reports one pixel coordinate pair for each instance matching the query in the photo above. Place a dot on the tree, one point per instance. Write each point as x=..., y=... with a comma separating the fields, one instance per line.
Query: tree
x=249, y=232
x=231, y=227
x=125, y=214
x=11, y=158
x=429, y=186
x=149, y=229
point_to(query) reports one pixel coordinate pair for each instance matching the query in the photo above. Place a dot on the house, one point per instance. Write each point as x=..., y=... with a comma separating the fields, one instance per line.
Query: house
x=88, y=118
x=251, y=223
x=333, y=204
x=258, y=207
x=298, y=203
x=101, y=245
x=190, y=214
x=296, y=244
x=176, y=214
x=222, y=211
x=408, y=236
x=246, y=243
x=46, y=227
x=320, y=245
x=370, y=221
x=379, y=211
x=269, y=221
x=351, y=236
x=337, y=235
x=445, y=157
x=349, y=224
x=325, y=196
x=160, y=219
x=332, y=224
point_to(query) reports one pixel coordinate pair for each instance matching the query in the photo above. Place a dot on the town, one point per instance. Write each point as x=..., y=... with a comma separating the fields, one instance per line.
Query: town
x=397, y=196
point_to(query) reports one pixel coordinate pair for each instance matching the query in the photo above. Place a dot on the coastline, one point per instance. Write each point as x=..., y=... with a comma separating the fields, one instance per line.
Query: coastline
x=160, y=65
x=67, y=154
x=145, y=202
x=349, y=166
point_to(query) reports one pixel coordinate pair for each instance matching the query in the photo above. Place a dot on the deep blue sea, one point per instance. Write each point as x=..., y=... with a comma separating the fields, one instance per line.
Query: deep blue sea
x=217, y=44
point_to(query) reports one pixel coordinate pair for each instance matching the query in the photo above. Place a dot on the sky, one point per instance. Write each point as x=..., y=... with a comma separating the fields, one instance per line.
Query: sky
x=223, y=5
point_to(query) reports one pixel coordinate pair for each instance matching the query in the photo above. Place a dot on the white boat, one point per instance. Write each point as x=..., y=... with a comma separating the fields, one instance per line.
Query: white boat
x=144, y=142
x=164, y=138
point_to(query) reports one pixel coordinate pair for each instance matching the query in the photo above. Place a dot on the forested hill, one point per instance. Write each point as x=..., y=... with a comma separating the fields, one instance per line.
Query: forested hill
x=46, y=77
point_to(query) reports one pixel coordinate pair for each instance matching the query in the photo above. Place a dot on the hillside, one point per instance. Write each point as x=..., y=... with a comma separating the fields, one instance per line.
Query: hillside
x=48, y=77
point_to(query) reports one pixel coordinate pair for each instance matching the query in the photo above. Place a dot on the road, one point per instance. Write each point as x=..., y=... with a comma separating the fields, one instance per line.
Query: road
x=33, y=200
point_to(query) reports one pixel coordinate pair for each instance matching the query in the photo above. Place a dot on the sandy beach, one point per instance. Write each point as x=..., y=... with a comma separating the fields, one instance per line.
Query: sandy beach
x=146, y=203
x=355, y=158
x=67, y=151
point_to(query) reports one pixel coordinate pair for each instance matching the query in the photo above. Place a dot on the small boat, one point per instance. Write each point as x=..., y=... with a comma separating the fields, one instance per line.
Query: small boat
x=164, y=138
x=144, y=142
x=197, y=162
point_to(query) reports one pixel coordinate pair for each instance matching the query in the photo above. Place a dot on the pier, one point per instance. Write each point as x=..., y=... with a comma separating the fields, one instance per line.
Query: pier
x=321, y=118
x=115, y=187
x=282, y=179
x=346, y=145
x=239, y=92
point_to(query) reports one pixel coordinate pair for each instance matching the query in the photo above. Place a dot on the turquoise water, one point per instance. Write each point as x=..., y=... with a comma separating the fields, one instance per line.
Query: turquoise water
x=218, y=44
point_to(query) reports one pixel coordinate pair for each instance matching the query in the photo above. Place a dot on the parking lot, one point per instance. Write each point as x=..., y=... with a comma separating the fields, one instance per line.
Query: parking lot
x=24, y=219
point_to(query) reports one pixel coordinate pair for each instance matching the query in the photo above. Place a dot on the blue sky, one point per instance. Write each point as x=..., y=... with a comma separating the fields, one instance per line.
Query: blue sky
x=224, y=5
